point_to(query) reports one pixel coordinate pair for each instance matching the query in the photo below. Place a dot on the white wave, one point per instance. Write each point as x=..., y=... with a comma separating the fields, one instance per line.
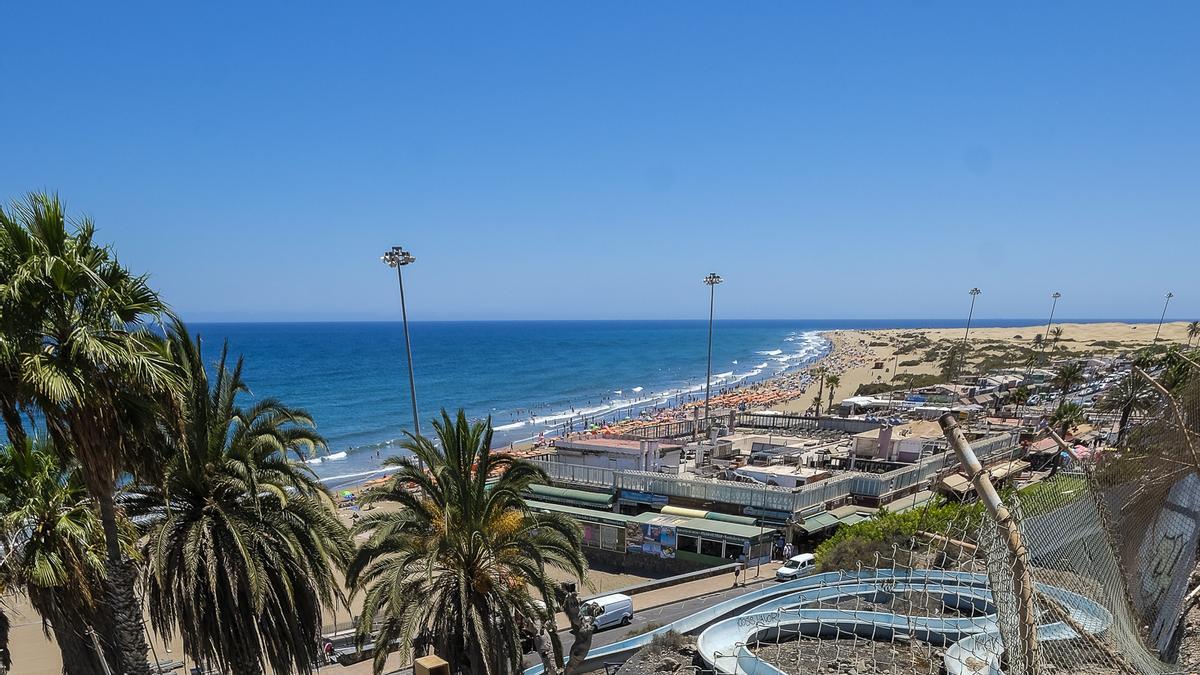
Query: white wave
x=761, y=365
x=735, y=362
x=336, y=456
x=619, y=392
x=638, y=389
x=361, y=474
x=314, y=461
x=508, y=427
x=722, y=376
x=772, y=352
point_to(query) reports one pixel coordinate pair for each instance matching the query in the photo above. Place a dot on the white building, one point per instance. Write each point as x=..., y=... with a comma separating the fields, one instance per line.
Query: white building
x=619, y=454
x=783, y=475
x=901, y=443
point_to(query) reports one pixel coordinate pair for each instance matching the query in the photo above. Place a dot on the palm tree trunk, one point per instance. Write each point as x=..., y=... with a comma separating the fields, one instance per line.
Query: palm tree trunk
x=1123, y=426
x=5, y=661
x=128, y=628
x=820, y=395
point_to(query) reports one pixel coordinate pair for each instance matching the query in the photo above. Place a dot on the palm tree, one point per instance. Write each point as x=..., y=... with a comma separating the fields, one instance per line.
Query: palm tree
x=833, y=381
x=1056, y=334
x=98, y=373
x=1066, y=416
x=1067, y=376
x=17, y=337
x=821, y=372
x=954, y=362
x=53, y=548
x=1193, y=331
x=1131, y=394
x=242, y=541
x=1038, y=341
x=1020, y=396
x=459, y=565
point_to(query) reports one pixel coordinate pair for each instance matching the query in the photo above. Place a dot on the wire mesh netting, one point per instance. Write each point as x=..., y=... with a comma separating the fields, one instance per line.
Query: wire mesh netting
x=1105, y=549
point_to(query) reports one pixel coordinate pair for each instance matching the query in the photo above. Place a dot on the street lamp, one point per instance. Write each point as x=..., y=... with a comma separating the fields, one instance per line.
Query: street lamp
x=1054, y=304
x=1164, y=315
x=711, y=281
x=962, y=361
x=397, y=257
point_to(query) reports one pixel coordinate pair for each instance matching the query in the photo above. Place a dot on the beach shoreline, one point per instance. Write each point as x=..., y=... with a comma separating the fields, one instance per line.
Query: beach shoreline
x=861, y=357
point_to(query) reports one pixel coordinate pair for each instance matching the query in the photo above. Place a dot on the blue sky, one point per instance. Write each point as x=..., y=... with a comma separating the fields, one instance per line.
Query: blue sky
x=595, y=160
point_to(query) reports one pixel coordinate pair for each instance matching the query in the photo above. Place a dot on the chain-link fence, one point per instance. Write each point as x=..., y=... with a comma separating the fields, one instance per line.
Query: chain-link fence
x=1085, y=568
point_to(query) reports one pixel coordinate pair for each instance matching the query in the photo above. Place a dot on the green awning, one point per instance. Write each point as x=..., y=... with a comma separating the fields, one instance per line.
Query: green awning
x=854, y=518
x=549, y=493
x=725, y=517
x=821, y=521
x=909, y=502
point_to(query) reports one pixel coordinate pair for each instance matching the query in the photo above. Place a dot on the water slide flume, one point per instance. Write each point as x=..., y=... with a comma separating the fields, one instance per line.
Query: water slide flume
x=785, y=610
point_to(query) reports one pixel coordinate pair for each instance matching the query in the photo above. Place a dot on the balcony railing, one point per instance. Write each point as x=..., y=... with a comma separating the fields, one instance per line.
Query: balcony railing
x=774, y=498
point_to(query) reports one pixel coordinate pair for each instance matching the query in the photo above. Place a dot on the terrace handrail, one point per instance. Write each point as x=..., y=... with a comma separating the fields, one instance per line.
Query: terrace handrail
x=774, y=498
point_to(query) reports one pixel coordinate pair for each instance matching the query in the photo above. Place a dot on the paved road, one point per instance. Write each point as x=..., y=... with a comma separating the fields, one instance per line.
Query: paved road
x=642, y=620
x=663, y=614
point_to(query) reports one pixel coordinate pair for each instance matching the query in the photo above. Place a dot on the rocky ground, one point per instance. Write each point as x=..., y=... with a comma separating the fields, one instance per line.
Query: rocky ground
x=669, y=653
x=852, y=657
x=1189, y=646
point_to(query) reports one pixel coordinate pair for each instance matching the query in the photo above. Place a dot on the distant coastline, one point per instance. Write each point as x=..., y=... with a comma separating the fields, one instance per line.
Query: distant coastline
x=848, y=353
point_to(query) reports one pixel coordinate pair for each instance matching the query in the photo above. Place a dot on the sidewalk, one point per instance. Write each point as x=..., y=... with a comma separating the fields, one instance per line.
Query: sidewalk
x=688, y=590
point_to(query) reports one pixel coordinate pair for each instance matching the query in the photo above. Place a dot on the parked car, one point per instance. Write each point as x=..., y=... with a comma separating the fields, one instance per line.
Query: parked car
x=615, y=610
x=796, y=567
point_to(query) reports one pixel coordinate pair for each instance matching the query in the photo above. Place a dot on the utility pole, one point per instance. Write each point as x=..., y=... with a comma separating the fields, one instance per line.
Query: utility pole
x=398, y=258
x=711, y=281
x=962, y=360
x=1164, y=315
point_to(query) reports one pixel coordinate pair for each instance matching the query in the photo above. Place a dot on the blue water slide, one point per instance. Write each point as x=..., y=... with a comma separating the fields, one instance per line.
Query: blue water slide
x=800, y=608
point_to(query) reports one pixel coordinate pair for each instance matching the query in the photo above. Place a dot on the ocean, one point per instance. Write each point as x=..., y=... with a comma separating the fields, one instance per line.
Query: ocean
x=529, y=376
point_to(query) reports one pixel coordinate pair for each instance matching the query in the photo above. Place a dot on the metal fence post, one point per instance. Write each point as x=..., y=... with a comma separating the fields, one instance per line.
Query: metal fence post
x=1022, y=579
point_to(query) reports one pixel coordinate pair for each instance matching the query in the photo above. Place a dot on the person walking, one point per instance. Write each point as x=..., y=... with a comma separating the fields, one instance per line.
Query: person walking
x=737, y=573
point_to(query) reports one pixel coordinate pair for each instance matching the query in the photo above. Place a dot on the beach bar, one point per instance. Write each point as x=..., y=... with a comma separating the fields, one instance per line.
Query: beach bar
x=660, y=542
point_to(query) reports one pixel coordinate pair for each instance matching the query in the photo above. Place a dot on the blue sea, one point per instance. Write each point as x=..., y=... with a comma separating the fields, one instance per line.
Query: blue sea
x=529, y=376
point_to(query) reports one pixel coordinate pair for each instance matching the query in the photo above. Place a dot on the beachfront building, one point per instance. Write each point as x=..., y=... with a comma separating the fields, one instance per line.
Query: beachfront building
x=619, y=454
x=904, y=443
x=998, y=382
x=783, y=475
x=670, y=540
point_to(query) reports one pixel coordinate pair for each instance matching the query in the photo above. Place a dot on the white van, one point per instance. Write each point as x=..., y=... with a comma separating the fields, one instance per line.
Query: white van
x=615, y=610
x=796, y=567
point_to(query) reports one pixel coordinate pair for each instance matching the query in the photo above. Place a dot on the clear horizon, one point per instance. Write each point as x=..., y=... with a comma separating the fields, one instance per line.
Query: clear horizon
x=550, y=161
x=978, y=319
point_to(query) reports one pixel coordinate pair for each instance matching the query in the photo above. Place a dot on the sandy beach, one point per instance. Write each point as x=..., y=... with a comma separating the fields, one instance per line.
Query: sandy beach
x=860, y=357
x=855, y=353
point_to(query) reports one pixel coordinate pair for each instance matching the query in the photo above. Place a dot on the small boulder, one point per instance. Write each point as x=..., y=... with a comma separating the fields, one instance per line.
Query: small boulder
x=669, y=664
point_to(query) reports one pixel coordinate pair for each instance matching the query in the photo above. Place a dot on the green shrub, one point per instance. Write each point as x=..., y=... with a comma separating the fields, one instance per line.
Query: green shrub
x=653, y=625
x=882, y=534
x=669, y=641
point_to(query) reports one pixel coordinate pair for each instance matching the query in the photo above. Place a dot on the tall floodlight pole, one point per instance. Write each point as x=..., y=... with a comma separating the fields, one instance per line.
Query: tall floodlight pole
x=962, y=361
x=1054, y=304
x=1164, y=315
x=398, y=258
x=711, y=280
